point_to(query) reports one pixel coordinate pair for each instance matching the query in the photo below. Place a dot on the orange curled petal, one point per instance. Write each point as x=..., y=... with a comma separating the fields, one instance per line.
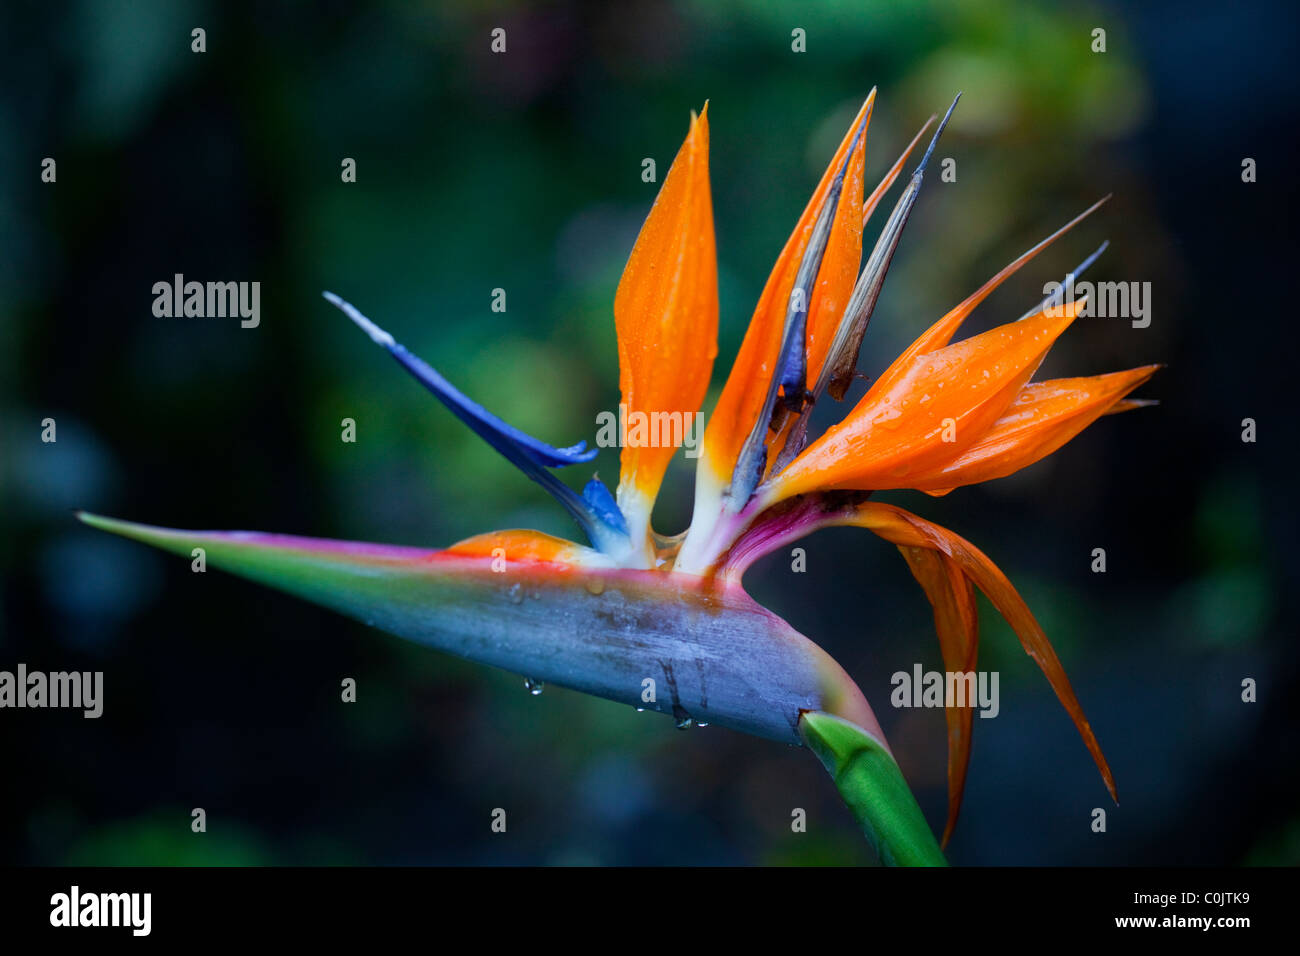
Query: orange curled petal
x=905, y=529
x=1043, y=417
x=956, y=621
x=745, y=392
x=927, y=413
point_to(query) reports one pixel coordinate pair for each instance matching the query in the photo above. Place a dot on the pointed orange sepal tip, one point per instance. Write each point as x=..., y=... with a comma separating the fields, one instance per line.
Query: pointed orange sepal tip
x=666, y=316
x=870, y=203
x=745, y=391
x=941, y=333
x=839, y=266
x=925, y=412
x=905, y=529
x=956, y=622
x=1042, y=418
x=836, y=278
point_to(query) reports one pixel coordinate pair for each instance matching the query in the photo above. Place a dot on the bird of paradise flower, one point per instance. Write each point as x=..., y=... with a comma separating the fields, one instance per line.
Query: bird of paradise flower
x=635, y=610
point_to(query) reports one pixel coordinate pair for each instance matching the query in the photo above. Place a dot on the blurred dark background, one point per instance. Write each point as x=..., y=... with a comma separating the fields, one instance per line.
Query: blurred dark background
x=522, y=171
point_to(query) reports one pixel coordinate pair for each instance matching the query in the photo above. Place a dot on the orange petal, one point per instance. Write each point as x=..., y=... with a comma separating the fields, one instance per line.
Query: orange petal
x=956, y=621
x=666, y=314
x=907, y=530
x=529, y=546
x=1043, y=417
x=941, y=333
x=925, y=414
x=835, y=281
x=745, y=392
x=839, y=268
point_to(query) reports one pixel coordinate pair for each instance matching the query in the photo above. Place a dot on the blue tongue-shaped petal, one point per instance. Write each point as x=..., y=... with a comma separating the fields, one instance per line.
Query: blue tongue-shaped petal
x=601, y=520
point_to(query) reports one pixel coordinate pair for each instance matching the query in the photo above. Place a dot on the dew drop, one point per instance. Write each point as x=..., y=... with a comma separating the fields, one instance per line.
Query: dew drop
x=683, y=719
x=596, y=585
x=515, y=593
x=702, y=723
x=640, y=710
x=534, y=686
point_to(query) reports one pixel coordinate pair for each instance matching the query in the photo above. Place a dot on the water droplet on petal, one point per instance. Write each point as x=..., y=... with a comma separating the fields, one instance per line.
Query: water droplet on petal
x=596, y=585
x=534, y=686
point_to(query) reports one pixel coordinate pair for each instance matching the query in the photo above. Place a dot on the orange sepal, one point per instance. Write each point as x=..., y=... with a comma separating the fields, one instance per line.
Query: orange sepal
x=956, y=621
x=1042, y=418
x=834, y=286
x=941, y=333
x=927, y=413
x=745, y=391
x=905, y=529
x=522, y=545
x=666, y=316
x=839, y=268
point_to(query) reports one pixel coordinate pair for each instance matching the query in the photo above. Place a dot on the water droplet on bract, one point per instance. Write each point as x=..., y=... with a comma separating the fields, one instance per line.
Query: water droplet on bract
x=640, y=710
x=534, y=686
x=596, y=585
x=702, y=723
x=515, y=593
x=683, y=719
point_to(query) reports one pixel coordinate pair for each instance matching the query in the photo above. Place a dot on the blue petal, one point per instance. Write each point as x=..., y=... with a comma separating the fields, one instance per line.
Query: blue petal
x=491, y=429
x=792, y=374
x=789, y=380
x=500, y=435
x=603, y=504
x=526, y=453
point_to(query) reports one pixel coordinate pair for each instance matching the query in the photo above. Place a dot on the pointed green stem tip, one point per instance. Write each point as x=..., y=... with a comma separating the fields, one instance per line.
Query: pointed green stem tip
x=870, y=782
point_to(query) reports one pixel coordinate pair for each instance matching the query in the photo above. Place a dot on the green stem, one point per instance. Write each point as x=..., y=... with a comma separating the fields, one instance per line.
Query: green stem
x=869, y=780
